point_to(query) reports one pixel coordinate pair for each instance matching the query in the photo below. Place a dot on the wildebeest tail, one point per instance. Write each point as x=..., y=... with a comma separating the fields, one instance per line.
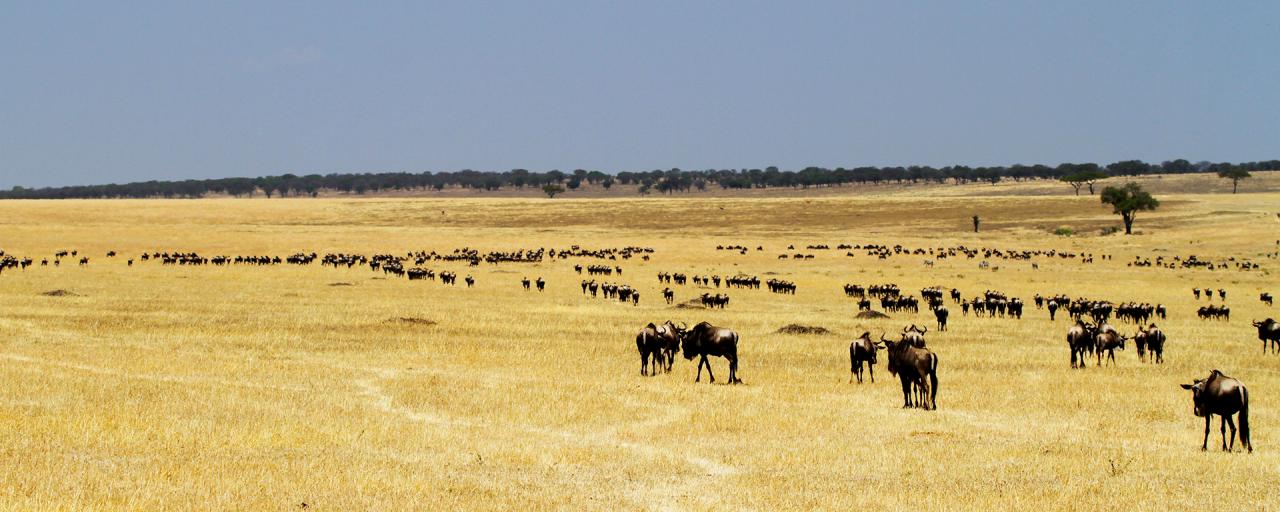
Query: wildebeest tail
x=933, y=382
x=1244, y=419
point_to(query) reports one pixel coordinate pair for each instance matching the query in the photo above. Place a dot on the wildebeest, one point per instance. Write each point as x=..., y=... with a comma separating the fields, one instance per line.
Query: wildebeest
x=1150, y=338
x=941, y=314
x=862, y=350
x=540, y=283
x=914, y=336
x=658, y=343
x=650, y=347
x=1223, y=396
x=1080, y=338
x=1266, y=298
x=1269, y=333
x=1108, y=340
x=705, y=340
x=669, y=295
x=917, y=368
x=525, y=283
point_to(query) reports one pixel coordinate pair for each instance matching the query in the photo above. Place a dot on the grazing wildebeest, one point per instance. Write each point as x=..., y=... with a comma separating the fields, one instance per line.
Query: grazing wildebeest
x=1223, y=396
x=917, y=368
x=1108, y=340
x=1150, y=338
x=705, y=340
x=1222, y=293
x=669, y=295
x=471, y=281
x=1080, y=338
x=525, y=283
x=1196, y=291
x=1269, y=333
x=1266, y=299
x=941, y=314
x=862, y=350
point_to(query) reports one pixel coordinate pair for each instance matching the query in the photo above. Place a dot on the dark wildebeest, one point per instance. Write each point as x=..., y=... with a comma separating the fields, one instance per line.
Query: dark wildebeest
x=860, y=350
x=705, y=340
x=1151, y=339
x=1080, y=338
x=525, y=283
x=1108, y=340
x=914, y=336
x=540, y=283
x=941, y=314
x=670, y=335
x=669, y=295
x=471, y=281
x=1266, y=299
x=1053, y=310
x=650, y=345
x=917, y=368
x=1223, y=396
x=1269, y=333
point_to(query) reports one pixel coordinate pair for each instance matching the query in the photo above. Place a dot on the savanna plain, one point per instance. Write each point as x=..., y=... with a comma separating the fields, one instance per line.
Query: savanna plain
x=245, y=387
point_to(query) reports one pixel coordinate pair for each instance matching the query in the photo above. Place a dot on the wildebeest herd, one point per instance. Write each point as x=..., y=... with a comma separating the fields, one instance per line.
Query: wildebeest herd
x=1091, y=336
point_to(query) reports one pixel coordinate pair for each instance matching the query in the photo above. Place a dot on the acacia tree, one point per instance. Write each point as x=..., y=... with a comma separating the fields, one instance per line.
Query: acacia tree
x=552, y=189
x=1234, y=173
x=1082, y=178
x=1127, y=201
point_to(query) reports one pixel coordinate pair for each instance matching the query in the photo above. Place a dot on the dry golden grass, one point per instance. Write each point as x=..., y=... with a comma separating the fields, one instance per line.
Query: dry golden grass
x=155, y=388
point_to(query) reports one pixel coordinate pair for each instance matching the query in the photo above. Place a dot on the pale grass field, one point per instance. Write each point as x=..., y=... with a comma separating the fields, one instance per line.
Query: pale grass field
x=246, y=388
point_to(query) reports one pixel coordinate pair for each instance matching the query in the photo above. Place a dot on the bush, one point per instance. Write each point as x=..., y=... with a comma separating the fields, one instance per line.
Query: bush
x=1064, y=232
x=1110, y=230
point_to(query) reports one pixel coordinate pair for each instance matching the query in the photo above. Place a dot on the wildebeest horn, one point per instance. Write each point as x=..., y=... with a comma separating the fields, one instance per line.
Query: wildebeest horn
x=882, y=338
x=684, y=326
x=923, y=329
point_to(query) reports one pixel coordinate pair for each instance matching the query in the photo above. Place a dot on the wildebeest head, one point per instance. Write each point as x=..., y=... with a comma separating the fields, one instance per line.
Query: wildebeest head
x=691, y=340
x=1197, y=392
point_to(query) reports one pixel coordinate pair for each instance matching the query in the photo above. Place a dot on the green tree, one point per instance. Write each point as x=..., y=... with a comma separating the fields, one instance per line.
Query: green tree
x=574, y=183
x=552, y=189
x=1234, y=173
x=1082, y=178
x=1127, y=201
x=607, y=183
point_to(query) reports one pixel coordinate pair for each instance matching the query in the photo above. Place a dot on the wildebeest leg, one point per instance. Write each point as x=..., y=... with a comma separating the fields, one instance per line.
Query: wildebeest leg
x=872, y=368
x=1231, y=423
x=906, y=391
x=644, y=363
x=709, y=374
x=1222, y=426
x=701, y=362
x=733, y=372
x=1205, y=445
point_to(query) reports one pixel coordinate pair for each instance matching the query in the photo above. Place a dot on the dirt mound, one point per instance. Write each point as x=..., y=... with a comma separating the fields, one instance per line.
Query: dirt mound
x=691, y=304
x=411, y=320
x=803, y=329
x=342, y=284
x=60, y=293
x=871, y=314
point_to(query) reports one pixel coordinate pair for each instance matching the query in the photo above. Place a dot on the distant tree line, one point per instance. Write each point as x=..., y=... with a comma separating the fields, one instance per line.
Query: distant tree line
x=661, y=181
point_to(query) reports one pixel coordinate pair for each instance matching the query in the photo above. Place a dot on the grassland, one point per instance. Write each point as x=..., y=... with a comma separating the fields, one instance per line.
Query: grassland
x=248, y=388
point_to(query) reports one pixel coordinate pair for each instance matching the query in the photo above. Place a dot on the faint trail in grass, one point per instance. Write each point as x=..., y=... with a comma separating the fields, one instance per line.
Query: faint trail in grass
x=643, y=495
x=171, y=379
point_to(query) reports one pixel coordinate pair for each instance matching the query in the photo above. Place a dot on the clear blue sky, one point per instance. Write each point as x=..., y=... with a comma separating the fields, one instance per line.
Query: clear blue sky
x=99, y=92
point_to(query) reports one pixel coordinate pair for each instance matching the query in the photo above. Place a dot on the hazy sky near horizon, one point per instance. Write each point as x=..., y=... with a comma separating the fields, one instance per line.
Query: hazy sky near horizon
x=101, y=92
